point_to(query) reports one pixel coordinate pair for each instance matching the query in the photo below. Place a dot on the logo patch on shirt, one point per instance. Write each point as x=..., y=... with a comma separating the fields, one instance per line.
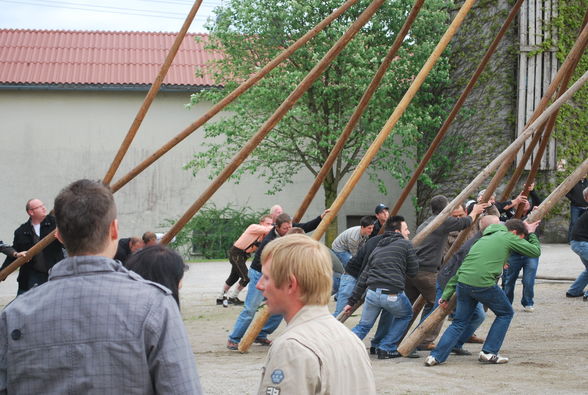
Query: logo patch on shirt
x=277, y=376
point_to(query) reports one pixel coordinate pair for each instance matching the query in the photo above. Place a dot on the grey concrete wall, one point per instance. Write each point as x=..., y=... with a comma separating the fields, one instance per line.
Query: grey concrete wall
x=50, y=138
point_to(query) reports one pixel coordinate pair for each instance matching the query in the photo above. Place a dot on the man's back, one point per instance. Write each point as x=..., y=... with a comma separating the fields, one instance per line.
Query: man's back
x=95, y=328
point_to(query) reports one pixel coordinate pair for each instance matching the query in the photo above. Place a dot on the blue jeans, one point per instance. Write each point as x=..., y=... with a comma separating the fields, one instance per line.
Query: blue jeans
x=476, y=320
x=344, y=257
x=580, y=248
x=467, y=300
x=516, y=262
x=252, y=302
x=336, y=282
x=400, y=311
x=346, y=286
x=575, y=213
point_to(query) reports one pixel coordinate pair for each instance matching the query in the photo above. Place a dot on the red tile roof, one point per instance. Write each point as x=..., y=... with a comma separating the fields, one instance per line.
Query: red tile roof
x=98, y=58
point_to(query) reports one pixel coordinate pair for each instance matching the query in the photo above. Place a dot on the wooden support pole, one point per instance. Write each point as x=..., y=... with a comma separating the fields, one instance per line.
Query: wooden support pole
x=415, y=338
x=213, y=111
x=545, y=136
x=34, y=250
x=232, y=96
x=363, y=102
x=389, y=125
x=256, y=326
x=288, y=103
x=573, y=58
x=151, y=94
x=273, y=120
x=456, y=108
x=516, y=144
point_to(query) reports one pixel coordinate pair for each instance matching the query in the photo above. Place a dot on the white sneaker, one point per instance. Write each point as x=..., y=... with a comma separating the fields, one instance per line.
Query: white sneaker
x=492, y=358
x=529, y=309
x=431, y=361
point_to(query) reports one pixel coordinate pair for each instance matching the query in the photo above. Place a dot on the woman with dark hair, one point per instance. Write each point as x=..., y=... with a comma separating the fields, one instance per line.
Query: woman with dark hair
x=161, y=265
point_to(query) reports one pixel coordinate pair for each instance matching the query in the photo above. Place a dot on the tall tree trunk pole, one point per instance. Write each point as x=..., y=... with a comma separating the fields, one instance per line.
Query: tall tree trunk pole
x=232, y=96
x=563, y=76
x=369, y=92
x=365, y=16
x=151, y=94
x=546, y=135
x=439, y=314
x=515, y=145
x=566, y=68
x=213, y=111
x=456, y=108
x=306, y=83
x=389, y=125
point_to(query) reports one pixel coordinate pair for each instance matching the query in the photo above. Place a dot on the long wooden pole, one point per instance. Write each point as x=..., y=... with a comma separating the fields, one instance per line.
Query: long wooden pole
x=546, y=135
x=515, y=145
x=151, y=94
x=389, y=125
x=456, y=108
x=262, y=318
x=573, y=58
x=213, y=111
x=304, y=85
x=232, y=96
x=363, y=102
x=416, y=337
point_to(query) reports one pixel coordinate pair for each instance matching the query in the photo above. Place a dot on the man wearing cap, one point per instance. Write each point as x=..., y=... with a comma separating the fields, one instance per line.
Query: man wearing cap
x=382, y=215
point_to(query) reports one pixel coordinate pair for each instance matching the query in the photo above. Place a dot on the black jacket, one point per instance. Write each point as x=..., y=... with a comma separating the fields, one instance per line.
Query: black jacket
x=357, y=262
x=390, y=263
x=123, y=250
x=24, y=240
x=575, y=194
x=273, y=234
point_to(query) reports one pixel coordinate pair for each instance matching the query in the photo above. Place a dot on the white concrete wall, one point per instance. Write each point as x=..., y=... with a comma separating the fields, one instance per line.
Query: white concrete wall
x=50, y=138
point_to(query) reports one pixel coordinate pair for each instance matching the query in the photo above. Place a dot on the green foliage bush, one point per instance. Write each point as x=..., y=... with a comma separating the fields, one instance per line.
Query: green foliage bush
x=213, y=231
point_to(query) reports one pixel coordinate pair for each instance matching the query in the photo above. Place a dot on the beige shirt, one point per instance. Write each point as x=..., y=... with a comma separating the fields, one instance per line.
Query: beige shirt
x=317, y=354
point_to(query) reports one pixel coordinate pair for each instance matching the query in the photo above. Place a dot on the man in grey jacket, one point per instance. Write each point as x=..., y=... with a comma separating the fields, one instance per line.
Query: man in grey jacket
x=94, y=327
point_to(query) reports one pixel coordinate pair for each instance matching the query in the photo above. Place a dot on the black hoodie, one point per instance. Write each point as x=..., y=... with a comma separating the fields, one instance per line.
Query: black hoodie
x=388, y=266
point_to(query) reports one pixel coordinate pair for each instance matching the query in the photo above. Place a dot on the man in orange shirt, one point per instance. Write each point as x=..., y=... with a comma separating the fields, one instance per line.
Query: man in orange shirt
x=241, y=250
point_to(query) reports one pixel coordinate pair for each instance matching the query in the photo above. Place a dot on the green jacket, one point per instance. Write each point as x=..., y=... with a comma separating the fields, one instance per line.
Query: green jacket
x=483, y=265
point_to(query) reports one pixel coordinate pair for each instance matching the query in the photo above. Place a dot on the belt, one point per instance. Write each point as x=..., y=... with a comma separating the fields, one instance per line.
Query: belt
x=384, y=291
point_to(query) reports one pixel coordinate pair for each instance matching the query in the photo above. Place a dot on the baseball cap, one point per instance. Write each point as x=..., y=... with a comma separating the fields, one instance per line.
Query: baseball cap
x=381, y=207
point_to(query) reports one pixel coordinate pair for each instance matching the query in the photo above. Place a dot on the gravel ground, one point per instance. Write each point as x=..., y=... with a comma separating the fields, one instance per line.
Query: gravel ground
x=546, y=348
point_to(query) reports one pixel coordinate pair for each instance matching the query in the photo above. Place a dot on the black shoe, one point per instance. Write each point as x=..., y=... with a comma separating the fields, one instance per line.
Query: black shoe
x=219, y=301
x=460, y=351
x=372, y=350
x=413, y=354
x=236, y=301
x=585, y=298
x=387, y=355
x=569, y=295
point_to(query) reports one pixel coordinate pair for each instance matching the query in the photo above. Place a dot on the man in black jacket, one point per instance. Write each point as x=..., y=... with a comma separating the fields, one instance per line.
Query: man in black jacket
x=27, y=235
x=384, y=276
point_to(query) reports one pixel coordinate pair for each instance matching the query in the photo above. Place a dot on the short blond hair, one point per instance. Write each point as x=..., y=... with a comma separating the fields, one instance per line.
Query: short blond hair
x=307, y=260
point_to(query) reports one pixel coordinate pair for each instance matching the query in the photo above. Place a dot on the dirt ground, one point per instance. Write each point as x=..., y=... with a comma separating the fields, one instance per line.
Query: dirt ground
x=546, y=348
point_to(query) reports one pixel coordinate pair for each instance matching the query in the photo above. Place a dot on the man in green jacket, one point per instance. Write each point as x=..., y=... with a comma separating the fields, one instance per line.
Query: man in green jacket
x=475, y=282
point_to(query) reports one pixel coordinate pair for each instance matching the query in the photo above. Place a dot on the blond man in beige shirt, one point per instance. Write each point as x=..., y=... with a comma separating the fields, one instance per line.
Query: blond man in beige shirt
x=316, y=354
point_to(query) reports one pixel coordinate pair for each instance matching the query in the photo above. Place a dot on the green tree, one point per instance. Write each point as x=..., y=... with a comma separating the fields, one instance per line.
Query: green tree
x=250, y=33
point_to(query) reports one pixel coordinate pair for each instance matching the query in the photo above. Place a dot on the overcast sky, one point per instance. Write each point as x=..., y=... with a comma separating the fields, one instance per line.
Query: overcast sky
x=122, y=15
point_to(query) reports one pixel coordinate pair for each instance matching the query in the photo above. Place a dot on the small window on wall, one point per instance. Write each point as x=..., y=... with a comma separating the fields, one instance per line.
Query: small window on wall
x=353, y=220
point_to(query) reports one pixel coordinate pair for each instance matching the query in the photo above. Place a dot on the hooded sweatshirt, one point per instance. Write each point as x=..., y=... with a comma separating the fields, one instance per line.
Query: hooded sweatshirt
x=391, y=261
